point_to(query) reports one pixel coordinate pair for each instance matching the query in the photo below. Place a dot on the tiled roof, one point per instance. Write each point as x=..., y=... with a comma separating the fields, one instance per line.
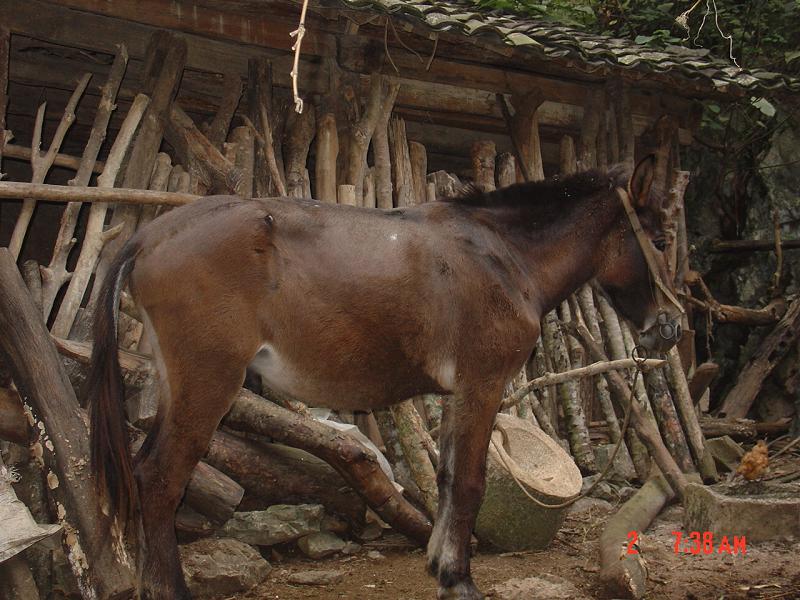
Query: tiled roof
x=551, y=40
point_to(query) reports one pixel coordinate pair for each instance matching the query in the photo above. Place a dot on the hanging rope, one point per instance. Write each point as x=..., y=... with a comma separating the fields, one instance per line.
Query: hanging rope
x=298, y=33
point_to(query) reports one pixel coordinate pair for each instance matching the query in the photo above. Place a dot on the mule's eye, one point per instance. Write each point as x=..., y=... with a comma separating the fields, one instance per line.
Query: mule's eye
x=660, y=244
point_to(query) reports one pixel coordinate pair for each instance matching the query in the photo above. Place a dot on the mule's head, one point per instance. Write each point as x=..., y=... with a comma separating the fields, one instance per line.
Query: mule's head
x=639, y=285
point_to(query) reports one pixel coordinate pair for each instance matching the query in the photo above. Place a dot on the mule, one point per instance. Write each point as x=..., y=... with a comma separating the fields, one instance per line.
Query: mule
x=357, y=309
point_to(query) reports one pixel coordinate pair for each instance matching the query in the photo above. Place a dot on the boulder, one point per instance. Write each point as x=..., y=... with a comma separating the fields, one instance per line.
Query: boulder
x=215, y=567
x=276, y=525
x=320, y=545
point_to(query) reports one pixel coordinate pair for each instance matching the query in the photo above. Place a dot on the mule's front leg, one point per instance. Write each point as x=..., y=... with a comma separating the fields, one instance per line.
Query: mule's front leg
x=467, y=424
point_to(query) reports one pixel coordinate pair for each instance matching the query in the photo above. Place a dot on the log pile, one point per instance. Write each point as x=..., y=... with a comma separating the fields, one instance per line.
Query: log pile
x=350, y=146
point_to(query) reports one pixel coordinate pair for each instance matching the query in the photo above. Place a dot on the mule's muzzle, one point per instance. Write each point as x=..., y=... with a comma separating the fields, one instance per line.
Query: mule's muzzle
x=661, y=335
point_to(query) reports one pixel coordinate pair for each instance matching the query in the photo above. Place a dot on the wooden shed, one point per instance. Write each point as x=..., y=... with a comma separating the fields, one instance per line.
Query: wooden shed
x=403, y=101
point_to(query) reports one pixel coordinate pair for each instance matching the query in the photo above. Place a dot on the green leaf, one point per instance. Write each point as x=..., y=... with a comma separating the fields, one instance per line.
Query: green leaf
x=764, y=106
x=644, y=39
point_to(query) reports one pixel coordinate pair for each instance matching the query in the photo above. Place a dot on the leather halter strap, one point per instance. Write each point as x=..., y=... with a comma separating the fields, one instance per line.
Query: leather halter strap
x=644, y=244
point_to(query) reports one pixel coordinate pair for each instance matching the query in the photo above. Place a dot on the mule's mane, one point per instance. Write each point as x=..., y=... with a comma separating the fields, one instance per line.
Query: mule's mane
x=552, y=195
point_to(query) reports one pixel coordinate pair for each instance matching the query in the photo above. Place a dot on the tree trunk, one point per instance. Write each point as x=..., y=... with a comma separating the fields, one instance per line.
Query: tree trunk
x=402, y=180
x=217, y=131
x=63, y=441
x=419, y=171
x=408, y=424
x=380, y=148
x=352, y=460
x=302, y=129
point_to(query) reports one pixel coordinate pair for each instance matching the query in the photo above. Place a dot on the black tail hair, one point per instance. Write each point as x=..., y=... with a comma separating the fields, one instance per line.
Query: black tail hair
x=110, y=447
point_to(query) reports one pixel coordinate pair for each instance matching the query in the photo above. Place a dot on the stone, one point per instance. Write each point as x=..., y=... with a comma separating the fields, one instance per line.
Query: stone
x=727, y=453
x=590, y=507
x=623, y=467
x=334, y=524
x=755, y=510
x=375, y=555
x=320, y=545
x=276, y=525
x=543, y=587
x=351, y=548
x=316, y=577
x=222, y=566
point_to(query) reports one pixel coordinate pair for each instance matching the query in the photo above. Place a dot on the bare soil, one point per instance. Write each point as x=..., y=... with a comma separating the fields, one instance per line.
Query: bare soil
x=766, y=570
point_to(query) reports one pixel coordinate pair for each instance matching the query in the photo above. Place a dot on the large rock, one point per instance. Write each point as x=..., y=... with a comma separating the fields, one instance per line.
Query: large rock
x=215, y=567
x=320, y=545
x=544, y=587
x=276, y=525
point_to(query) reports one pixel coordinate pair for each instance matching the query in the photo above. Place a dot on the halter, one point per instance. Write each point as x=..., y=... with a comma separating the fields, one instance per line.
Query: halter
x=644, y=244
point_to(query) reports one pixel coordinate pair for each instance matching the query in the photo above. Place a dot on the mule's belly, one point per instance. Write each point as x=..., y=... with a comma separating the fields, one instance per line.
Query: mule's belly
x=354, y=388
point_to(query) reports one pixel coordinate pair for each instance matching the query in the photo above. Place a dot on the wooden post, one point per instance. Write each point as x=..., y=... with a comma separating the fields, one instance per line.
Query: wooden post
x=163, y=68
x=620, y=98
x=327, y=150
x=369, y=198
x=419, y=171
x=244, y=159
x=5, y=37
x=401, y=164
x=360, y=135
x=380, y=148
x=347, y=195
x=667, y=418
x=483, y=158
x=302, y=128
x=269, y=180
x=217, y=131
x=409, y=424
x=567, y=156
x=593, y=111
x=97, y=559
x=578, y=433
x=209, y=169
x=506, y=170
x=525, y=133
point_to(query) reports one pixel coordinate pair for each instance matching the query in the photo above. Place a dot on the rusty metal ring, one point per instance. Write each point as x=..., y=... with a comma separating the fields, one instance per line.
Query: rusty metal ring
x=639, y=355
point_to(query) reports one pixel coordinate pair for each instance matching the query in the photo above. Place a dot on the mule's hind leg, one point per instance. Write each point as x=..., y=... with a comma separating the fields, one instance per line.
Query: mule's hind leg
x=464, y=439
x=201, y=392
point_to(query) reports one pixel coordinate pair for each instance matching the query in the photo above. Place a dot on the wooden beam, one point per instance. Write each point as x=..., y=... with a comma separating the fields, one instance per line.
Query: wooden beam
x=10, y=190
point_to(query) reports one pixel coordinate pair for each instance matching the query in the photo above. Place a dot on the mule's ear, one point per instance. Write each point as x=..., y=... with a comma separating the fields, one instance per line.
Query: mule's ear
x=642, y=181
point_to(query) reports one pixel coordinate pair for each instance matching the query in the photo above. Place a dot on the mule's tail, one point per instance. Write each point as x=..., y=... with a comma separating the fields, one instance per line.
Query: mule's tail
x=110, y=448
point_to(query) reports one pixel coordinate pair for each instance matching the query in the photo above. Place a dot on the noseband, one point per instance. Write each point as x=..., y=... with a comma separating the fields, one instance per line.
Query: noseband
x=666, y=329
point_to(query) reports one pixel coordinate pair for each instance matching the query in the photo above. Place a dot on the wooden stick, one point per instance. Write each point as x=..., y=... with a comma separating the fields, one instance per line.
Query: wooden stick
x=209, y=169
x=620, y=94
x=647, y=431
x=165, y=59
x=723, y=246
x=419, y=170
x=409, y=428
x=217, y=131
x=668, y=421
x=506, y=169
x=270, y=181
x=41, y=163
x=766, y=357
x=556, y=347
x=483, y=156
x=327, y=143
x=36, y=368
x=13, y=190
x=593, y=111
x=244, y=159
x=361, y=133
x=55, y=274
x=95, y=237
x=380, y=148
x=401, y=163
x=65, y=161
x=595, y=368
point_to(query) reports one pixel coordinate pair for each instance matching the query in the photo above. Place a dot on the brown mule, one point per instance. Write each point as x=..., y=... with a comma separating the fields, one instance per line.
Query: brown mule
x=357, y=309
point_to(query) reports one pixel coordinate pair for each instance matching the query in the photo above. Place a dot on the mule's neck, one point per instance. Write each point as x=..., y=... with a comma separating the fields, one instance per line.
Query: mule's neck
x=561, y=256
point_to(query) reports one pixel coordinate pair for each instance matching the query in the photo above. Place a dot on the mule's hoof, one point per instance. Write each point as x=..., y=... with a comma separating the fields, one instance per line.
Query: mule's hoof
x=465, y=590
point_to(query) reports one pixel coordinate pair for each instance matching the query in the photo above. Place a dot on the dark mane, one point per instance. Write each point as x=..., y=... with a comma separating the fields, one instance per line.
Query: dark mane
x=556, y=193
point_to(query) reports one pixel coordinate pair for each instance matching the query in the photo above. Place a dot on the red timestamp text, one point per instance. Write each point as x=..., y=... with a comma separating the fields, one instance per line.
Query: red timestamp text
x=697, y=542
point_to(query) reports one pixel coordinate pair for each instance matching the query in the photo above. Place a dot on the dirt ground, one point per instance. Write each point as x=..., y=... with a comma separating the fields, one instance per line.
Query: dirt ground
x=766, y=570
